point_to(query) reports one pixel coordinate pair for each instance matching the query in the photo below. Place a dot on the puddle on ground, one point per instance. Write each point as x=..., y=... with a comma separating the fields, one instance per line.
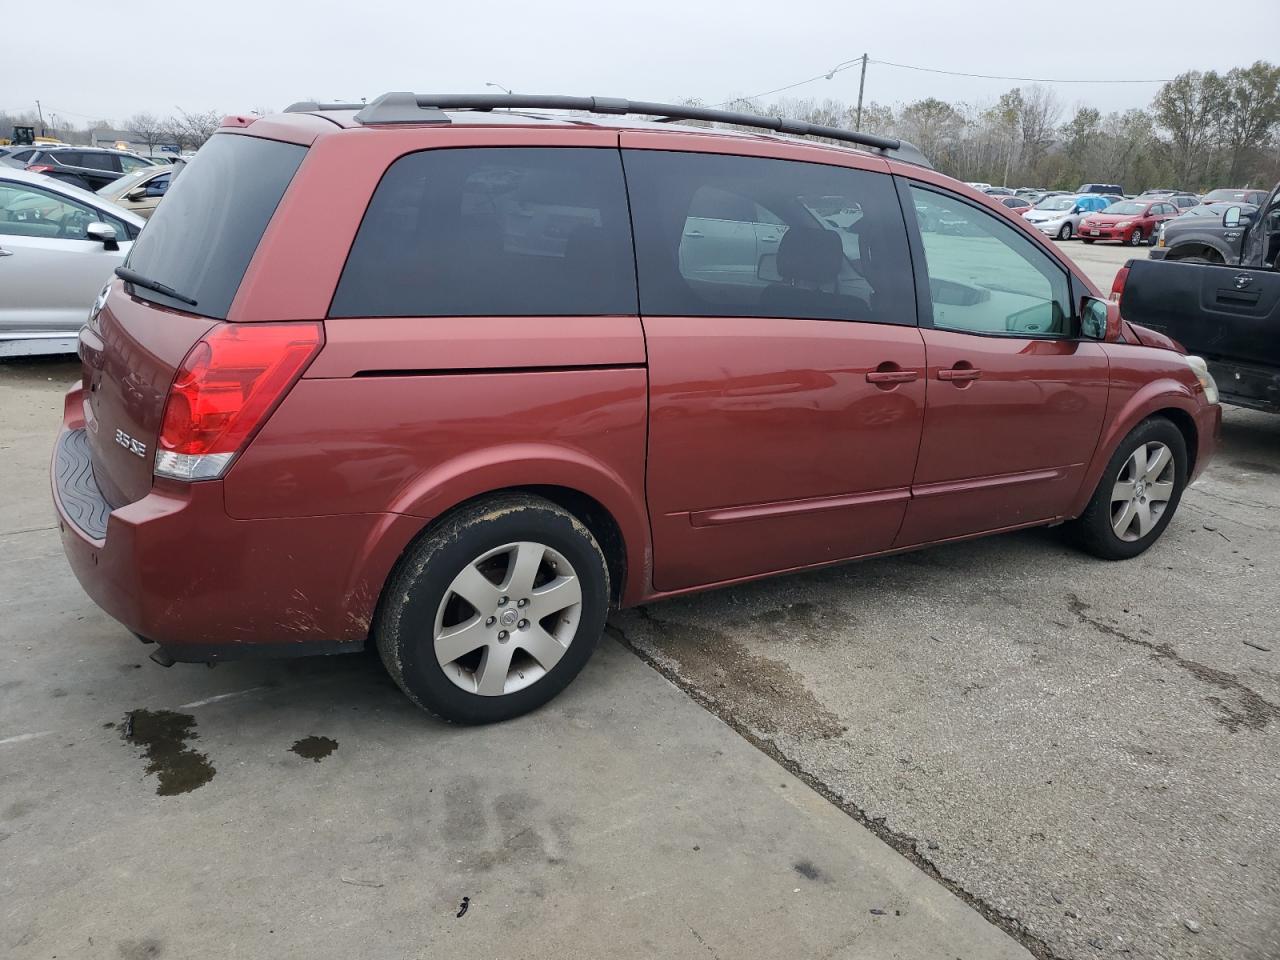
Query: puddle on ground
x=314, y=748
x=163, y=736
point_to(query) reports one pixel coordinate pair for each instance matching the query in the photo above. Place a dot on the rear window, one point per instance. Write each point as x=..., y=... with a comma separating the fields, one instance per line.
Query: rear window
x=201, y=239
x=493, y=231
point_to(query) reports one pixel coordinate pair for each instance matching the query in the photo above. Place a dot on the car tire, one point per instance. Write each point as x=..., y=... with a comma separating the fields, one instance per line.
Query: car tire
x=1151, y=240
x=1064, y=232
x=1123, y=517
x=540, y=586
x=1135, y=238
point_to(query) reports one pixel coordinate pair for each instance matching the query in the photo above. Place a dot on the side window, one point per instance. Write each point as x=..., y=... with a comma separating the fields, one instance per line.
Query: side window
x=984, y=276
x=95, y=161
x=129, y=164
x=157, y=185
x=801, y=240
x=34, y=212
x=493, y=231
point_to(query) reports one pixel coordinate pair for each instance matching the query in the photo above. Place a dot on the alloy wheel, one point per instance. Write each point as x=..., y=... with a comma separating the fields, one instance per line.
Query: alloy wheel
x=1142, y=491
x=1135, y=239
x=507, y=619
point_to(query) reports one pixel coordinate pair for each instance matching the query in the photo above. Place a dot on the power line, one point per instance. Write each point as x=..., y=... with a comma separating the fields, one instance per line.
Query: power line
x=988, y=76
x=850, y=64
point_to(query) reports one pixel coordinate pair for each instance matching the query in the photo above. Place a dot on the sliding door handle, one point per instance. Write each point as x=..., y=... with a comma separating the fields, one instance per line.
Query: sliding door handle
x=893, y=376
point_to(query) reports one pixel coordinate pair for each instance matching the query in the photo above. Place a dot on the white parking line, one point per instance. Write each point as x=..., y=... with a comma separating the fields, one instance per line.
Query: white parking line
x=221, y=696
x=22, y=737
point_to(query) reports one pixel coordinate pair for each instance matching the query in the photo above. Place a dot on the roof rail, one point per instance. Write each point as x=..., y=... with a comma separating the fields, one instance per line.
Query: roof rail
x=429, y=108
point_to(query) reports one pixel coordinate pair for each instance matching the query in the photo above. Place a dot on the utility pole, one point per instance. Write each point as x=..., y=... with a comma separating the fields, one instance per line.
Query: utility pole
x=862, y=82
x=39, y=111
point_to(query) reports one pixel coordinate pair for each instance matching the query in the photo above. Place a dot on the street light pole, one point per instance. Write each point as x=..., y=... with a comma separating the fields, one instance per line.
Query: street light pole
x=499, y=86
x=862, y=82
x=41, y=113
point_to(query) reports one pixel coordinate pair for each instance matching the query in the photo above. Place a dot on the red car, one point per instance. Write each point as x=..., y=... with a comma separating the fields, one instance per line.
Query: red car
x=454, y=375
x=1017, y=204
x=1129, y=221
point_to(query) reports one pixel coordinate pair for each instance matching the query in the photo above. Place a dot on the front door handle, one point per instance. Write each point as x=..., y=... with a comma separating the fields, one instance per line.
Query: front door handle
x=893, y=376
x=960, y=373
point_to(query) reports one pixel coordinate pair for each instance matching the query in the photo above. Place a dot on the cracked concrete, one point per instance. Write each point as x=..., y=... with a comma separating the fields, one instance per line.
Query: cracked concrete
x=1085, y=751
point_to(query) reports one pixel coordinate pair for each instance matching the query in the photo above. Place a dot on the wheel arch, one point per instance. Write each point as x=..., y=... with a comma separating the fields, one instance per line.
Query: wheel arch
x=1165, y=397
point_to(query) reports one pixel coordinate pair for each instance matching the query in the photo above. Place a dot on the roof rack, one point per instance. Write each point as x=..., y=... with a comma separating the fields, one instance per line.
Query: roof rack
x=393, y=108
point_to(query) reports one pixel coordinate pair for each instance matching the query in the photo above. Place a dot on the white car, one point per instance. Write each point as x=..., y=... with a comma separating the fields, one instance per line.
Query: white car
x=58, y=246
x=1059, y=216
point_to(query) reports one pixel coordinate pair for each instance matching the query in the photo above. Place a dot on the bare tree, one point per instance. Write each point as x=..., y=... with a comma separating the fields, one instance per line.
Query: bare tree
x=1250, y=113
x=147, y=129
x=1189, y=107
x=199, y=127
x=1039, y=112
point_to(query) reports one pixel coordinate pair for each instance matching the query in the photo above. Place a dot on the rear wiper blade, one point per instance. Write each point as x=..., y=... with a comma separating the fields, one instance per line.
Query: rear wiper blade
x=138, y=280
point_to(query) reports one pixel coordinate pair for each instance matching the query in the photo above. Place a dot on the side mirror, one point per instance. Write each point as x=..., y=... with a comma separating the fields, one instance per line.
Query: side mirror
x=104, y=233
x=1099, y=320
x=138, y=193
x=1234, y=217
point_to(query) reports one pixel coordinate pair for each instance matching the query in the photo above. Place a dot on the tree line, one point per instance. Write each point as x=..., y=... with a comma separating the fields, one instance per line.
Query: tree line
x=1202, y=130
x=187, y=130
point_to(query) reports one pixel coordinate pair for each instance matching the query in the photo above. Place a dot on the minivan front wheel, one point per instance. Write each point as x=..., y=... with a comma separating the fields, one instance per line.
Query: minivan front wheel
x=1138, y=493
x=494, y=611
x=1064, y=232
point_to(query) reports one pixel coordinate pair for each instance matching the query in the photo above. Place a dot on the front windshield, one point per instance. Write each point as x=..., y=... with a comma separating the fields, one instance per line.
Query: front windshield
x=1056, y=203
x=1128, y=208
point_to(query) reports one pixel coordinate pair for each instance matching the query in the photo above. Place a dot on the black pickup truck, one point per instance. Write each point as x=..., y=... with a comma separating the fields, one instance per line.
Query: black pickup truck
x=1227, y=313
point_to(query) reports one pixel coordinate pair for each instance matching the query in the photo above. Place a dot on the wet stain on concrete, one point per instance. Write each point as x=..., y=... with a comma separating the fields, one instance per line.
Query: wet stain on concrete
x=761, y=693
x=18, y=809
x=147, y=949
x=807, y=870
x=314, y=748
x=163, y=736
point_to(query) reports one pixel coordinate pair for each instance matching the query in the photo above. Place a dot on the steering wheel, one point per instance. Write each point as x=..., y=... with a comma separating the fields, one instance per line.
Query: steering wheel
x=73, y=224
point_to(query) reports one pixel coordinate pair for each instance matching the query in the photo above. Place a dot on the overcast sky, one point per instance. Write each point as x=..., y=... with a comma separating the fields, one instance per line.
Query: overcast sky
x=90, y=60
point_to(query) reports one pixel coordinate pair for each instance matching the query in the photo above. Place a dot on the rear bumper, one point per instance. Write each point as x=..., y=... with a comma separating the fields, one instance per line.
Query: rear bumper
x=1247, y=386
x=174, y=568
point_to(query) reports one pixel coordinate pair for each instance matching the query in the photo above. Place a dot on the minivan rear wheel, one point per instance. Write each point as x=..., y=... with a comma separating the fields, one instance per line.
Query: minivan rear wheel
x=1138, y=494
x=495, y=610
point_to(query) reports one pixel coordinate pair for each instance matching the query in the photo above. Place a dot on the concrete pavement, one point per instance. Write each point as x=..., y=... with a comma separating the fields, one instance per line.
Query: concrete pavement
x=306, y=809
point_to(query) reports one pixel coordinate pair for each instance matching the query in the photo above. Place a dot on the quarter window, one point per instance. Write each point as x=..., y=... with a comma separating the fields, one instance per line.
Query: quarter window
x=493, y=231
x=745, y=236
x=984, y=276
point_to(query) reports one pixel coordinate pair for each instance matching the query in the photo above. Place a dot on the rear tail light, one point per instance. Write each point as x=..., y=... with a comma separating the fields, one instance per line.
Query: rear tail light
x=38, y=168
x=228, y=384
x=1117, y=285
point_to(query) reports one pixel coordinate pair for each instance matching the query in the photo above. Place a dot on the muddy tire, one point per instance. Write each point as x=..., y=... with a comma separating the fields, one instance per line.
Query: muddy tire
x=494, y=610
x=1138, y=494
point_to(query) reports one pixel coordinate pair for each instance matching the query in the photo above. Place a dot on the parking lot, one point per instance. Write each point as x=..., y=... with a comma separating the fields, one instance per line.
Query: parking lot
x=1000, y=748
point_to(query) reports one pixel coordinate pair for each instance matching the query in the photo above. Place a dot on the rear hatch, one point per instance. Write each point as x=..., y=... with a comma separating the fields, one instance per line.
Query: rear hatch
x=198, y=244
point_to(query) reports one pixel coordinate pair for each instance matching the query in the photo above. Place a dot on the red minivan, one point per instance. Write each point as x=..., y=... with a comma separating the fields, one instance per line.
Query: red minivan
x=457, y=381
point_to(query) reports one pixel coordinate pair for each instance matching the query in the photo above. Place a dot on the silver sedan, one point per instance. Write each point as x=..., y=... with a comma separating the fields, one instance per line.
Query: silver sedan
x=58, y=246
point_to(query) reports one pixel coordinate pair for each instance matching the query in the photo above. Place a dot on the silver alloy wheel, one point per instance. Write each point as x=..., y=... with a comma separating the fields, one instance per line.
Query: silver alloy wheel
x=1135, y=238
x=1142, y=491
x=1064, y=232
x=507, y=619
